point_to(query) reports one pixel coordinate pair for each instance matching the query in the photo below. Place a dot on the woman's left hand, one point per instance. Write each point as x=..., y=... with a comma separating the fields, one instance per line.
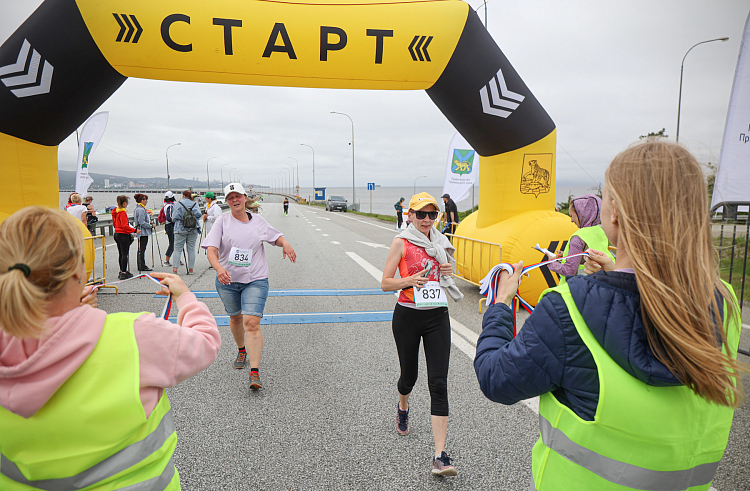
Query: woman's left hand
x=289, y=251
x=507, y=286
x=446, y=269
x=88, y=296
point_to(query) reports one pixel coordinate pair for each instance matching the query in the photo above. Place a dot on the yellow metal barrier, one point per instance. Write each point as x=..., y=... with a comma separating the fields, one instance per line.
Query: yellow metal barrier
x=474, y=258
x=103, y=279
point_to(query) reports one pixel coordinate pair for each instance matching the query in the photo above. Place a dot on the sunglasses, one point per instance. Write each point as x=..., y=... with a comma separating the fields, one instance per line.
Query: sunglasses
x=422, y=214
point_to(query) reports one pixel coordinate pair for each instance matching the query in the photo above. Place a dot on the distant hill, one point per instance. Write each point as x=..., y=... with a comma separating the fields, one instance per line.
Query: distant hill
x=67, y=178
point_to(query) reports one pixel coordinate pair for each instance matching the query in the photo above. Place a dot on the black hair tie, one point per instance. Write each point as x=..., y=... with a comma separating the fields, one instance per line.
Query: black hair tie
x=26, y=270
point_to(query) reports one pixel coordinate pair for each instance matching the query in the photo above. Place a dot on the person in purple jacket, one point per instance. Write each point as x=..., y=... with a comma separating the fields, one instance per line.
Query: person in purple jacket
x=235, y=250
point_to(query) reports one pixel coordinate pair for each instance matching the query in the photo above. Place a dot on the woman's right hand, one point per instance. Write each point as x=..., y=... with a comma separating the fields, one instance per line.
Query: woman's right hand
x=418, y=279
x=223, y=276
x=172, y=281
x=597, y=261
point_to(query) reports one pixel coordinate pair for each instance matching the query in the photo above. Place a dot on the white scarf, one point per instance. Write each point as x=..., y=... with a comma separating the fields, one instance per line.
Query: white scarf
x=439, y=247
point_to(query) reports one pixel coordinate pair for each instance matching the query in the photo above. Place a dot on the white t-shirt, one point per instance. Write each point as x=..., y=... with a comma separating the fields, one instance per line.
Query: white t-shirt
x=213, y=212
x=77, y=211
x=228, y=232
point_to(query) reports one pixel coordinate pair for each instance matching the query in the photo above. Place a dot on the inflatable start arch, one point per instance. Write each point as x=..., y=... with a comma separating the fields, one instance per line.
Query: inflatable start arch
x=70, y=56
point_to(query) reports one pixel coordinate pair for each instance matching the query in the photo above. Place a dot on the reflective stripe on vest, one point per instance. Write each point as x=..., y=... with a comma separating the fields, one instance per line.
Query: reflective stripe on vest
x=125, y=458
x=622, y=473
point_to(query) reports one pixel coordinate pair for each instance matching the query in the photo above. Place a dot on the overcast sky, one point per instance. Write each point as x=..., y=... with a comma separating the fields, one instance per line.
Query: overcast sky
x=606, y=72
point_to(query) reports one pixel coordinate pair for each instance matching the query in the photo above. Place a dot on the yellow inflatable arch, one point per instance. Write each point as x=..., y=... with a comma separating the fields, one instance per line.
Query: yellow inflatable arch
x=70, y=56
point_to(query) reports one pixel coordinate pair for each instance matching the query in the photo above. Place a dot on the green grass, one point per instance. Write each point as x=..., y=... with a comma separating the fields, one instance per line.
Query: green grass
x=736, y=263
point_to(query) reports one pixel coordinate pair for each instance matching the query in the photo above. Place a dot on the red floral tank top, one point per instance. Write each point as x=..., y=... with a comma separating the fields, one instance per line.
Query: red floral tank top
x=415, y=260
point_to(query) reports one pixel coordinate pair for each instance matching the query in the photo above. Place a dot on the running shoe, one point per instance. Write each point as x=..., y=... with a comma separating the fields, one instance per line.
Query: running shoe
x=167, y=263
x=255, y=383
x=402, y=421
x=441, y=466
x=241, y=360
x=125, y=275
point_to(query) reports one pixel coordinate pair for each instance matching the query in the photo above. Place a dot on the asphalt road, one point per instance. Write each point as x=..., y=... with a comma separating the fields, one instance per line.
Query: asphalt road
x=325, y=418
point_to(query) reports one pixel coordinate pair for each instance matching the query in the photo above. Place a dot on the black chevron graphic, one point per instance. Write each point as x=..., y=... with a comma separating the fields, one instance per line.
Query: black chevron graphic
x=131, y=28
x=419, y=52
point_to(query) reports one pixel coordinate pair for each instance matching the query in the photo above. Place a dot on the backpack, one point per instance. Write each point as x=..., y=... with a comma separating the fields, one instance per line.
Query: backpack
x=189, y=223
x=162, y=216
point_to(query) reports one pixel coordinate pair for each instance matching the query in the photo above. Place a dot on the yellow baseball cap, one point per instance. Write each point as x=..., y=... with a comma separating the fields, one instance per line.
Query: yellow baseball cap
x=419, y=201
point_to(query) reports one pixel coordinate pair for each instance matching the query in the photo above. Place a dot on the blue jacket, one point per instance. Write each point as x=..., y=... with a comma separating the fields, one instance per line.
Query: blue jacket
x=548, y=355
x=178, y=212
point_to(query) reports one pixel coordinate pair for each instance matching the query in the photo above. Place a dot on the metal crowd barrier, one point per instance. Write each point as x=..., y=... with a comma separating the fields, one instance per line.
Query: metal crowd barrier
x=474, y=258
x=103, y=279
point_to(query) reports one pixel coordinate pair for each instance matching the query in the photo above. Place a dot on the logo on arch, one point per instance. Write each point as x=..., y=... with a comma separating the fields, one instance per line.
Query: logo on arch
x=535, y=173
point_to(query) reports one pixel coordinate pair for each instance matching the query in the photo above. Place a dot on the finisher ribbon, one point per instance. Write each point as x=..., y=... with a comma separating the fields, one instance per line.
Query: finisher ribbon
x=488, y=284
x=167, y=306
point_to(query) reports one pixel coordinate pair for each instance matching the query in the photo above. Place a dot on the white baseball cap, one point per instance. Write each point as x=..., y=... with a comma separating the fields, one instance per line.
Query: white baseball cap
x=234, y=187
x=169, y=194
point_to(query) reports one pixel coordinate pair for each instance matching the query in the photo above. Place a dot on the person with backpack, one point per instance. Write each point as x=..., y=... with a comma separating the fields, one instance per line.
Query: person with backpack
x=399, y=206
x=165, y=217
x=185, y=215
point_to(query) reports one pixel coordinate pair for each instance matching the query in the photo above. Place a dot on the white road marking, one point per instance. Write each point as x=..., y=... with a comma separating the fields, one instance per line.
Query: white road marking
x=746, y=326
x=317, y=230
x=373, y=245
x=325, y=218
x=325, y=235
x=466, y=339
x=334, y=242
x=369, y=223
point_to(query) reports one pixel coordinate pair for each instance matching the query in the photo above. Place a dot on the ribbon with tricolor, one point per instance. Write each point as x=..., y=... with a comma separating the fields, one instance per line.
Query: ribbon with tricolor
x=167, y=305
x=488, y=284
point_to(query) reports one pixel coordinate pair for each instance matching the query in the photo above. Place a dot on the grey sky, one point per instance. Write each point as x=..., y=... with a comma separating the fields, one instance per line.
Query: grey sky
x=606, y=72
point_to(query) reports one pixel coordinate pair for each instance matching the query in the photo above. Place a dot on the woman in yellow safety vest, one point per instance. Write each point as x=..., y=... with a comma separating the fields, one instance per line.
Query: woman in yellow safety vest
x=585, y=213
x=82, y=400
x=635, y=365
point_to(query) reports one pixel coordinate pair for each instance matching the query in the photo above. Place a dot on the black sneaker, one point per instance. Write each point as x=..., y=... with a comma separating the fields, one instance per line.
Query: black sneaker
x=145, y=268
x=441, y=466
x=255, y=383
x=402, y=421
x=241, y=360
x=126, y=275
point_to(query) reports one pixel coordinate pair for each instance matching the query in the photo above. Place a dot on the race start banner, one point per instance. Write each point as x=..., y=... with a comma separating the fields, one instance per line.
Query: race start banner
x=733, y=175
x=90, y=136
x=462, y=169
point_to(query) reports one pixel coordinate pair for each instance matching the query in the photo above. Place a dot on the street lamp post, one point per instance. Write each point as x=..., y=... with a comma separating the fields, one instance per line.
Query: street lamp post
x=682, y=67
x=230, y=174
x=354, y=201
x=297, y=189
x=222, y=176
x=288, y=176
x=291, y=187
x=167, y=155
x=208, y=178
x=415, y=184
x=313, y=151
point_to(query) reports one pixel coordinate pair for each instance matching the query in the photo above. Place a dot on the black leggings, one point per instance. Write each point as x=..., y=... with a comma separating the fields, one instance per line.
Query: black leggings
x=433, y=325
x=123, y=247
x=142, y=246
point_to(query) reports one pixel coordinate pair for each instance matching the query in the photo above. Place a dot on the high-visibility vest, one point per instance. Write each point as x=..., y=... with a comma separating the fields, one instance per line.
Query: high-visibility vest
x=93, y=433
x=595, y=238
x=642, y=437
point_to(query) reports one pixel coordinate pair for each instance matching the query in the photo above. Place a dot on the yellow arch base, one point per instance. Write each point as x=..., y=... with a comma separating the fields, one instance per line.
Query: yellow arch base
x=517, y=236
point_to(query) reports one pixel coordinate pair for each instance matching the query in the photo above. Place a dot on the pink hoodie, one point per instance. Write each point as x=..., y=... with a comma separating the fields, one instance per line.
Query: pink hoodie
x=31, y=370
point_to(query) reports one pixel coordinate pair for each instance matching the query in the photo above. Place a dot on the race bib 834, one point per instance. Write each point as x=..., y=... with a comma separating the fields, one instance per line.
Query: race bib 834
x=240, y=257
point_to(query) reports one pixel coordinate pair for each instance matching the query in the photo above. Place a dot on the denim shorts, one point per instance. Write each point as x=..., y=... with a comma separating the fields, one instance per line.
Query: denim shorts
x=244, y=298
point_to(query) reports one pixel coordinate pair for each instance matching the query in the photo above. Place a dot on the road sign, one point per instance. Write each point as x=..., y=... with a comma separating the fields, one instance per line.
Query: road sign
x=370, y=186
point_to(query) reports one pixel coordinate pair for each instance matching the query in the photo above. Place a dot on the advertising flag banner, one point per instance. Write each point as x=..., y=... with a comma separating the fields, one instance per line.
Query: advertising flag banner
x=732, y=184
x=87, y=143
x=462, y=169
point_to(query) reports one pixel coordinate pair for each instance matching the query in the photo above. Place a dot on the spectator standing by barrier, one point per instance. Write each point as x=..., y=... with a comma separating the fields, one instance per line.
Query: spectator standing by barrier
x=213, y=211
x=423, y=257
x=92, y=381
x=585, y=213
x=451, y=215
x=399, y=213
x=168, y=210
x=142, y=224
x=123, y=236
x=76, y=209
x=186, y=229
x=659, y=330
x=235, y=250
x=91, y=218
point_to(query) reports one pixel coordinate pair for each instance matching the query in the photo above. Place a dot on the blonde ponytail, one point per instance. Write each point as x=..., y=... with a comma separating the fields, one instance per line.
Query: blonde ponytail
x=49, y=244
x=661, y=198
